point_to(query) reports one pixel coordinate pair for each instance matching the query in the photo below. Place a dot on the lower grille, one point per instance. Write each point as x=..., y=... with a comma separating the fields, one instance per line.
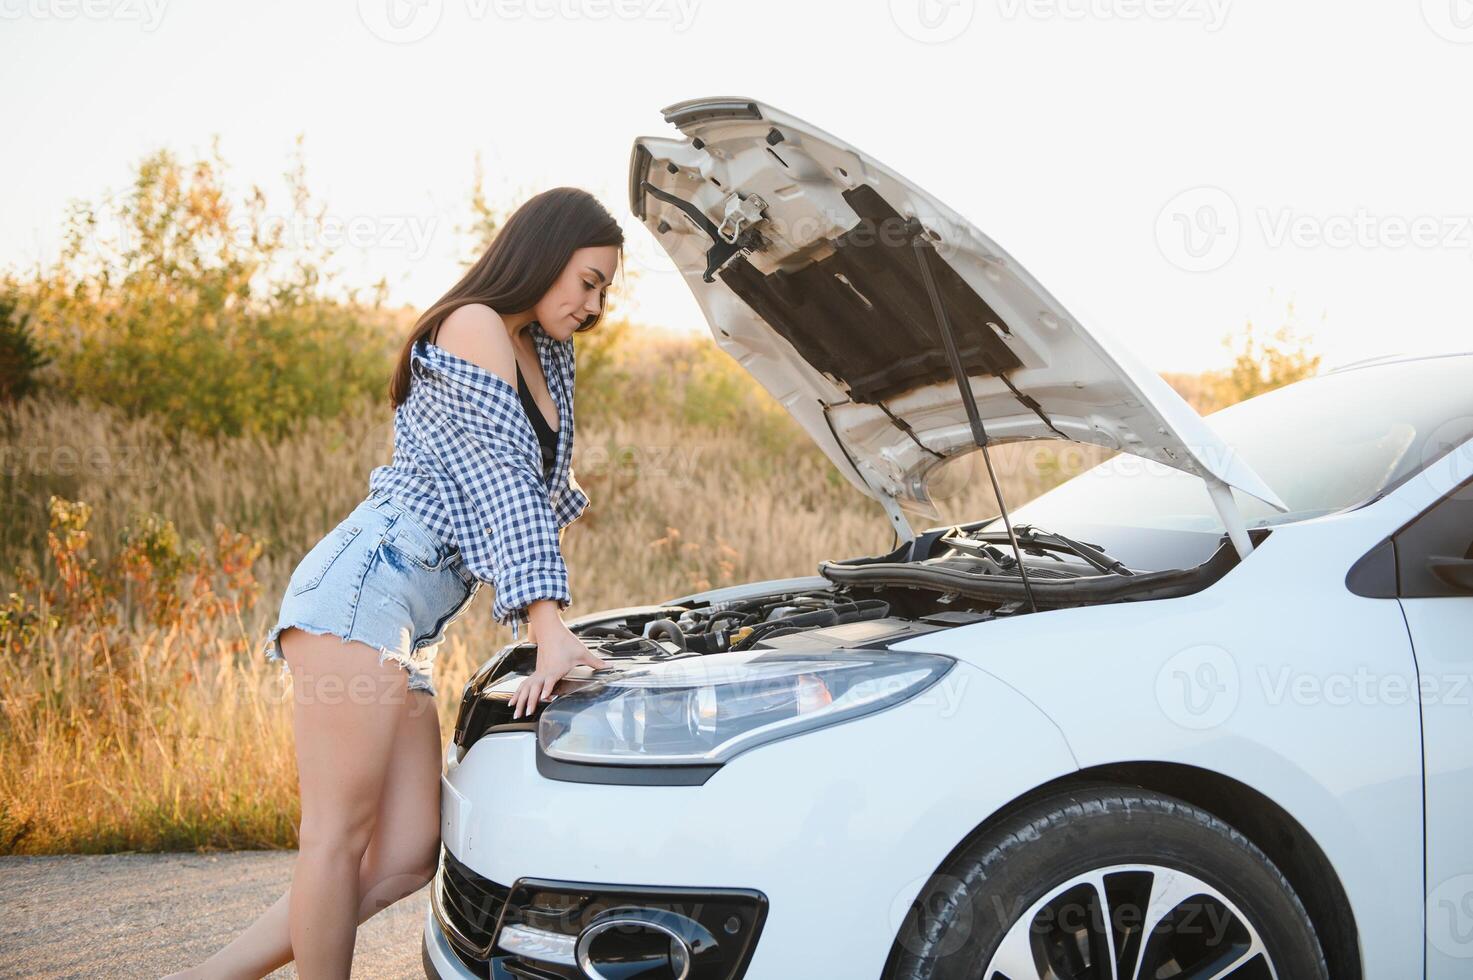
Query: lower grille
x=469, y=904
x=470, y=909
x=719, y=925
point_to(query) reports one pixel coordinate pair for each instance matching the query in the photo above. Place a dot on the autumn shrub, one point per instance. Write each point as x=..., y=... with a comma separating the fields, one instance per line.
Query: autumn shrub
x=176, y=301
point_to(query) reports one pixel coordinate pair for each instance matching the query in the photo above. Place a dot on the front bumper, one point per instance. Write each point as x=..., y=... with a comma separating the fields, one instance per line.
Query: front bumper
x=630, y=932
x=837, y=828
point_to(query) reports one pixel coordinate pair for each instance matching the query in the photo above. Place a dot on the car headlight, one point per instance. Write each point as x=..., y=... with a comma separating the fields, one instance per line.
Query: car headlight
x=703, y=710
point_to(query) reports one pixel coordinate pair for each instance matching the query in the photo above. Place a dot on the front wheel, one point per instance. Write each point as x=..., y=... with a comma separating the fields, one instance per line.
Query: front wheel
x=1108, y=883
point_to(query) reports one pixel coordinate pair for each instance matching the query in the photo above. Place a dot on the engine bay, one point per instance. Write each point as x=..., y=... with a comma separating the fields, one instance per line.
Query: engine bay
x=945, y=578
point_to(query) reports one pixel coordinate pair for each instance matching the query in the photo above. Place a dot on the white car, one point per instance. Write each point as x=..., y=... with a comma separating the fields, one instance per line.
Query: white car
x=1202, y=711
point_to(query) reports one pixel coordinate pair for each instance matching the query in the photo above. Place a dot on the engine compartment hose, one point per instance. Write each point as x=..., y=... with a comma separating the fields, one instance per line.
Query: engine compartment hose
x=665, y=629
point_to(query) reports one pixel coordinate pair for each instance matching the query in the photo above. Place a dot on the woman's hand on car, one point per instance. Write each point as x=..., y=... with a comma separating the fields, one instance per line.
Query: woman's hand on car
x=558, y=651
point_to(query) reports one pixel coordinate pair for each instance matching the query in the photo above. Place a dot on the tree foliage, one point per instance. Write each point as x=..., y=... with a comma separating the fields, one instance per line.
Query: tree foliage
x=173, y=300
x=21, y=356
x=1265, y=362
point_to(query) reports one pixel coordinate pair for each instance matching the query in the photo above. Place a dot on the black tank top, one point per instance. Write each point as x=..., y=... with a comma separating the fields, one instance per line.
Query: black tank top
x=546, y=435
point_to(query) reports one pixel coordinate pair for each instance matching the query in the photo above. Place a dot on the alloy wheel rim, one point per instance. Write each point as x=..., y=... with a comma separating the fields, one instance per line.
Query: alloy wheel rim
x=1162, y=922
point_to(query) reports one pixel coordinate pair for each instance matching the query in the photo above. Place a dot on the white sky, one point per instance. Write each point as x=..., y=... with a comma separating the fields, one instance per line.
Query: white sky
x=1331, y=138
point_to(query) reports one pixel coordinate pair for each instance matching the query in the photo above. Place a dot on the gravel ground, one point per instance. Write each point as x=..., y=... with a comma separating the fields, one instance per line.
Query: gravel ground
x=147, y=915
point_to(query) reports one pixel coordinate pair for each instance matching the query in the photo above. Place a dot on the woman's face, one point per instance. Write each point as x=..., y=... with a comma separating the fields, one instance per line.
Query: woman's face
x=578, y=292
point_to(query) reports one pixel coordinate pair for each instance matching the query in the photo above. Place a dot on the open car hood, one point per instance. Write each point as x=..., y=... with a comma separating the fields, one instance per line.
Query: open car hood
x=804, y=253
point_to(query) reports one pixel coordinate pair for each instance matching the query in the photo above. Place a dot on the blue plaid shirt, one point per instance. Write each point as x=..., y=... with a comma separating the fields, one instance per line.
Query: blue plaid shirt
x=467, y=464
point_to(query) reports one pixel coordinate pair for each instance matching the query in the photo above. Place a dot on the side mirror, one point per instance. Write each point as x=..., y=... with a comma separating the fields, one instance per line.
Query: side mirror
x=1456, y=572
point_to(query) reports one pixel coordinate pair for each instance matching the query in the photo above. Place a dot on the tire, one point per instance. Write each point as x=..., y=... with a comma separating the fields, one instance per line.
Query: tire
x=1022, y=901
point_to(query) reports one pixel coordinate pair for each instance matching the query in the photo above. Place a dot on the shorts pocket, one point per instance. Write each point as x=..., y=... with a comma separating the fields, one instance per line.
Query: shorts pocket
x=413, y=543
x=324, y=553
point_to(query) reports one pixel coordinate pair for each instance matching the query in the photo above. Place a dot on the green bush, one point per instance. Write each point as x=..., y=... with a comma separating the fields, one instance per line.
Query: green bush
x=168, y=303
x=20, y=354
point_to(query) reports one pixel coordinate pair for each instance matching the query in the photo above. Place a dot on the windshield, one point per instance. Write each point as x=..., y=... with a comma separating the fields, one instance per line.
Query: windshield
x=1323, y=444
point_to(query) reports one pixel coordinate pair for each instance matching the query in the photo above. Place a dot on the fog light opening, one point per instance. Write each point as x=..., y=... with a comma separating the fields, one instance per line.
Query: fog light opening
x=633, y=945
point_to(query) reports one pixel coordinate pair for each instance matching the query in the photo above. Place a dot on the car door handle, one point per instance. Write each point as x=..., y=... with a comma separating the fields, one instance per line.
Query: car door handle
x=1457, y=572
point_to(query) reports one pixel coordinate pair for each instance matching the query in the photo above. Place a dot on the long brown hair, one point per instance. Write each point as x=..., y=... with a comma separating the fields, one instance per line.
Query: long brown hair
x=522, y=262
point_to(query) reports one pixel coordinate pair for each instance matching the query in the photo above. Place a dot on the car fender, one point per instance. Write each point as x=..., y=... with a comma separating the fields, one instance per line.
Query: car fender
x=1276, y=676
x=899, y=786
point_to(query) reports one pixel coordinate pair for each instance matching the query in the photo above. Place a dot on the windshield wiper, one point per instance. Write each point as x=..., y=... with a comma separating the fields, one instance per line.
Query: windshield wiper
x=1037, y=537
x=1089, y=553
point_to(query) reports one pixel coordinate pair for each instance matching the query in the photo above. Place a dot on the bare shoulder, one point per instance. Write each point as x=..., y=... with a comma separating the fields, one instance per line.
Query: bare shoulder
x=476, y=333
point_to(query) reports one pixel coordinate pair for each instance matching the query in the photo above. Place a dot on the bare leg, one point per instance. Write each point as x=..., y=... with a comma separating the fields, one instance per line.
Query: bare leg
x=346, y=712
x=346, y=707
x=399, y=860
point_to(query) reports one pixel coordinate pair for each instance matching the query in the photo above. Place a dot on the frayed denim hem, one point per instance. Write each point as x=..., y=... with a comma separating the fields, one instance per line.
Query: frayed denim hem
x=418, y=679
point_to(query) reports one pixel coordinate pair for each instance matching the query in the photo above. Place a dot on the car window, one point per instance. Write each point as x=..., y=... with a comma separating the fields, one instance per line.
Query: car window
x=1430, y=547
x=1324, y=444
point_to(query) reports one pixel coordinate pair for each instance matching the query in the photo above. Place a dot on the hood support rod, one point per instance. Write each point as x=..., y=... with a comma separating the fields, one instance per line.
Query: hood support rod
x=922, y=246
x=1232, y=518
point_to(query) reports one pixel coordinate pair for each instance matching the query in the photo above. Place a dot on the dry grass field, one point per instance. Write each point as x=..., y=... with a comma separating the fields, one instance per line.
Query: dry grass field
x=186, y=407
x=137, y=712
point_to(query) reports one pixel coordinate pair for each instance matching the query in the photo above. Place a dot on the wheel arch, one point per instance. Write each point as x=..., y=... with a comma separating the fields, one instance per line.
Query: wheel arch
x=1269, y=826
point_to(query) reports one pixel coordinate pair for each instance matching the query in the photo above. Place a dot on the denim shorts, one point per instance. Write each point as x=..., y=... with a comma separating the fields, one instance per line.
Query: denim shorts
x=382, y=578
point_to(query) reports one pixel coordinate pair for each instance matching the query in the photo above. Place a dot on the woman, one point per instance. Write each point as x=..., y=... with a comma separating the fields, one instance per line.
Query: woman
x=479, y=489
